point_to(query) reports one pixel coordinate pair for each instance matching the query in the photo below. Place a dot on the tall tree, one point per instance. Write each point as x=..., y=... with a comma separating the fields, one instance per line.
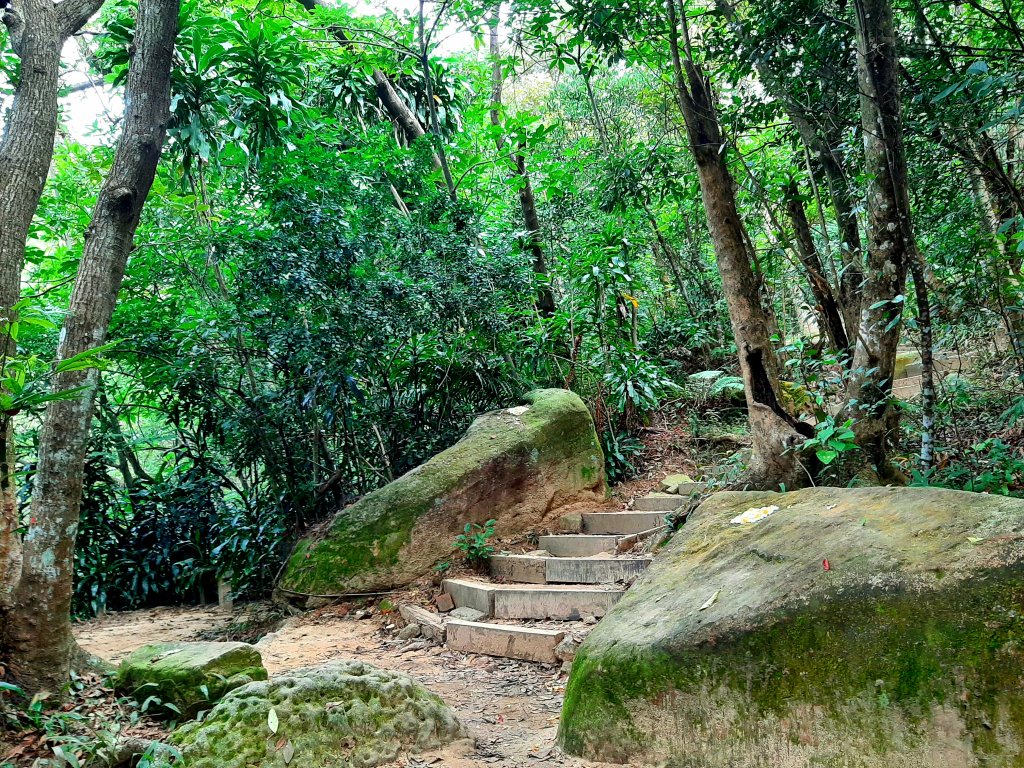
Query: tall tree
x=891, y=244
x=38, y=30
x=38, y=642
x=775, y=433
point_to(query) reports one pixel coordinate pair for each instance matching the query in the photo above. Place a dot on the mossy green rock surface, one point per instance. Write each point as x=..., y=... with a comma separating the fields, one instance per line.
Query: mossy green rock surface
x=516, y=466
x=343, y=715
x=190, y=676
x=741, y=647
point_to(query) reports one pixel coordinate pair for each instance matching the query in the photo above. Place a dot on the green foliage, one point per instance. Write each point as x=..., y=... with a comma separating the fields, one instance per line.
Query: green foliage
x=310, y=313
x=475, y=543
x=830, y=440
x=621, y=455
x=990, y=466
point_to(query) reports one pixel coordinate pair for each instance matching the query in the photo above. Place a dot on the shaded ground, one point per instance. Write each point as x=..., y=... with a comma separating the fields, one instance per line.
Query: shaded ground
x=510, y=707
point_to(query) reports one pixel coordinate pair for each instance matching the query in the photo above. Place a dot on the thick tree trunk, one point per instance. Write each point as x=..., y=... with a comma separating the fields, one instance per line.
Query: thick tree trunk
x=774, y=432
x=891, y=240
x=38, y=30
x=38, y=632
x=828, y=307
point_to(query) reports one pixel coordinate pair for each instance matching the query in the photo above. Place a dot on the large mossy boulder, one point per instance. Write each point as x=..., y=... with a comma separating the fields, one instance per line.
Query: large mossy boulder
x=344, y=715
x=516, y=466
x=741, y=646
x=189, y=677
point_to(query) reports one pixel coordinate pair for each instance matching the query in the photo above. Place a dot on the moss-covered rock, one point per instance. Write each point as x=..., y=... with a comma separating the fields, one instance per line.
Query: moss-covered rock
x=516, y=465
x=188, y=676
x=741, y=647
x=344, y=715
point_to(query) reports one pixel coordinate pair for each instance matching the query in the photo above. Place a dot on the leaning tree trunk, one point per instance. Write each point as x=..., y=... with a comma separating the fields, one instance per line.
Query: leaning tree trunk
x=890, y=237
x=37, y=30
x=38, y=632
x=775, y=433
x=829, y=308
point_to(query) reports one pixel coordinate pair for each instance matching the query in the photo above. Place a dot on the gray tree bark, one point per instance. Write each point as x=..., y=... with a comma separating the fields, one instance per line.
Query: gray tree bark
x=891, y=244
x=37, y=30
x=38, y=640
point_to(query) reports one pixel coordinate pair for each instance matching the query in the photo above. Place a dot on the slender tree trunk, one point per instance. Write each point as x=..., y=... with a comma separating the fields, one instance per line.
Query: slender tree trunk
x=38, y=30
x=38, y=639
x=774, y=432
x=828, y=307
x=891, y=240
x=527, y=201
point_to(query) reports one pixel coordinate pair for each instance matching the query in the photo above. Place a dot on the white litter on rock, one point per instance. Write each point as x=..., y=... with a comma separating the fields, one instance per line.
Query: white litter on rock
x=754, y=515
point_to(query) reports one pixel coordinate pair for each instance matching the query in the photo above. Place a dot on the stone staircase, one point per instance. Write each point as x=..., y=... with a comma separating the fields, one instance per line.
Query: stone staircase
x=536, y=600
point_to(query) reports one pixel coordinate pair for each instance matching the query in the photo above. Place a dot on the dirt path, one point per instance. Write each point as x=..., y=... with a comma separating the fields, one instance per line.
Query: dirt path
x=511, y=708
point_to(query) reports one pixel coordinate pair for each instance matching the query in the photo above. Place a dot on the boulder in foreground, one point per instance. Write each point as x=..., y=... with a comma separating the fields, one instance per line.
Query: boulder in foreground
x=742, y=647
x=345, y=714
x=188, y=676
x=516, y=466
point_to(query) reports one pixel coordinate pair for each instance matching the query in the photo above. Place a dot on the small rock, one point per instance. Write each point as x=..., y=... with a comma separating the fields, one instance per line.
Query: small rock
x=590, y=620
x=572, y=523
x=467, y=614
x=363, y=613
x=566, y=650
x=671, y=483
x=566, y=667
x=409, y=632
x=444, y=602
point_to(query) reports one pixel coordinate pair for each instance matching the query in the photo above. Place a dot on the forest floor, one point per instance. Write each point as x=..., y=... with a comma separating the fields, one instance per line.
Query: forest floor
x=511, y=708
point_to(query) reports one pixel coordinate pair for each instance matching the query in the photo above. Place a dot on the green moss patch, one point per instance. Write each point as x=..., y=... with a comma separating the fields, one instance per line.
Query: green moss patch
x=344, y=715
x=182, y=679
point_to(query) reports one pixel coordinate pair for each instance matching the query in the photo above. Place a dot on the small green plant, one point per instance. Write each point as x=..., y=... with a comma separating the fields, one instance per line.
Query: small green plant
x=621, y=451
x=830, y=440
x=474, y=543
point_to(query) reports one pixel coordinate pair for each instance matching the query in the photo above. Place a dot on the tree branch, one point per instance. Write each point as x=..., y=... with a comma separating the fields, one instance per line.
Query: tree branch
x=72, y=15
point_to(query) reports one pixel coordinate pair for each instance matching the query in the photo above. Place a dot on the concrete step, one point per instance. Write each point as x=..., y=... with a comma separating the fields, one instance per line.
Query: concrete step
x=533, y=601
x=622, y=522
x=578, y=544
x=534, y=569
x=658, y=502
x=503, y=640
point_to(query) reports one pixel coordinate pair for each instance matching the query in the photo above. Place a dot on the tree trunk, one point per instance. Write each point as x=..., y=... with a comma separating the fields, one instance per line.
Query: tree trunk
x=828, y=307
x=831, y=161
x=774, y=432
x=527, y=202
x=38, y=632
x=38, y=30
x=890, y=237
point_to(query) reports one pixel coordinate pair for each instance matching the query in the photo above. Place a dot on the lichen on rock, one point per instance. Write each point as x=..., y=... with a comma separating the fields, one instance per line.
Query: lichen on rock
x=517, y=466
x=906, y=650
x=190, y=677
x=344, y=714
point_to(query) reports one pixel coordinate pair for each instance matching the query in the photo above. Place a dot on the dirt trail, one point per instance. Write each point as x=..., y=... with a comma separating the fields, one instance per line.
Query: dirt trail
x=511, y=708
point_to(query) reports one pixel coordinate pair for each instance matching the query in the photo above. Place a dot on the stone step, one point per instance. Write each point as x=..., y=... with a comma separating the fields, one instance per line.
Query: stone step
x=578, y=544
x=533, y=601
x=503, y=640
x=658, y=502
x=622, y=522
x=534, y=569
